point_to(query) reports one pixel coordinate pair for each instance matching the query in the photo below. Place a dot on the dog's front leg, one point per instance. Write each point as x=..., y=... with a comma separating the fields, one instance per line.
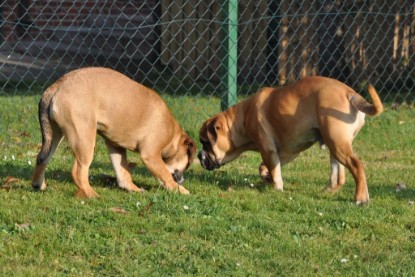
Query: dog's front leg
x=337, y=175
x=272, y=162
x=264, y=173
x=159, y=170
x=119, y=161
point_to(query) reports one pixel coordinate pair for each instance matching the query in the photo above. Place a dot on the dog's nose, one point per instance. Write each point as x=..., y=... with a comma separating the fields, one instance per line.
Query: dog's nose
x=178, y=177
x=204, y=160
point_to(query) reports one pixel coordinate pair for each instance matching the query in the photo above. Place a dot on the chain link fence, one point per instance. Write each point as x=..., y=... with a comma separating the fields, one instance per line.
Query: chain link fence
x=211, y=47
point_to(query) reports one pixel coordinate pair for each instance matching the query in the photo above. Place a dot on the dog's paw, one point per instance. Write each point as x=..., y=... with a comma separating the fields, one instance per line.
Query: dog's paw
x=266, y=179
x=182, y=190
x=90, y=193
x=332, y=189
x=278, y=187
x=133, y=188
x=38, y=186
x=362, y=202
x=139, y=190
x=264, y=173
x=362, y=198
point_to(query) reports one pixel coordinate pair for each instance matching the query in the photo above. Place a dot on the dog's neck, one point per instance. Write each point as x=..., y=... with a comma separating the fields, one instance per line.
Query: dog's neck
x=237, y=128
x=171, y=148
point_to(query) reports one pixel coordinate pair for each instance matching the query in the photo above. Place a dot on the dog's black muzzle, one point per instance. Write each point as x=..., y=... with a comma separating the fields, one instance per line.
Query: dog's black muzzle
x=206, y=162
x=178, y=177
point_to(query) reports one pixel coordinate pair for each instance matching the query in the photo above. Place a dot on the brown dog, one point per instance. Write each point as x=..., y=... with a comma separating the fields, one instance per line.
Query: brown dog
x=126, y=114
x=282, y=122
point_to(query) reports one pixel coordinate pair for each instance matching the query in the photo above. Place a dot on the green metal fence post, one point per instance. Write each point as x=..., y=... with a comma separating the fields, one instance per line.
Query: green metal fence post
x=230, y=8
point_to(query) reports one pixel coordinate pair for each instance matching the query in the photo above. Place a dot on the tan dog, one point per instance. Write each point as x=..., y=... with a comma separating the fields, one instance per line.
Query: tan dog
x=126, y=114
x=282, y=122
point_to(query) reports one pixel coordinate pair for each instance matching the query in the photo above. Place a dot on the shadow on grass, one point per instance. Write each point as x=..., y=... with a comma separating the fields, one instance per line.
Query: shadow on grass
x=23, y=174
x=390, y=190
x=375, y=192
x=222, y=179
x=227, y=180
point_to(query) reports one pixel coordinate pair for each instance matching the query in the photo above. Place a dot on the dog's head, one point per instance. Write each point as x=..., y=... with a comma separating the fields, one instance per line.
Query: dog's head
x=218, y=147
x=180, y=159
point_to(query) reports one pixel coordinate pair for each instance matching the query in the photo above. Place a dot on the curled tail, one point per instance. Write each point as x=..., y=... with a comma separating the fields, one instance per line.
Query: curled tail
x=45, y=124
x=362, y=105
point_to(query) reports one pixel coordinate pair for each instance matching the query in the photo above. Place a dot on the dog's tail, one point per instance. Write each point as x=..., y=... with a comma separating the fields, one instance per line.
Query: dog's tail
x=362, y=105
x=45, y=124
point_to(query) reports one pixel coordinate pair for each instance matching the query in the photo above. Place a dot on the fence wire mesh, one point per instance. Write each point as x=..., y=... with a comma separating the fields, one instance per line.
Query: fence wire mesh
x=181, y=47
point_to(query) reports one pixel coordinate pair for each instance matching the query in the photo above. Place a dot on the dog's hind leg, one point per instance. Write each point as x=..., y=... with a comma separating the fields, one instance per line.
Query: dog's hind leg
x=82, y=143
x=337, y=176
x=342, y=151
x=119, y=161
x=50, y=142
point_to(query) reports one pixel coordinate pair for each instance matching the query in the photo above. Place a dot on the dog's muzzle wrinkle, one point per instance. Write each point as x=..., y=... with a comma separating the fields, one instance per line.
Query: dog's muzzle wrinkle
x=178, y=177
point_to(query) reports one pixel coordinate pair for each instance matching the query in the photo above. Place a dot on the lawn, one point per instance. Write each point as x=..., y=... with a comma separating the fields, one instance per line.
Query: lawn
x=231, y=224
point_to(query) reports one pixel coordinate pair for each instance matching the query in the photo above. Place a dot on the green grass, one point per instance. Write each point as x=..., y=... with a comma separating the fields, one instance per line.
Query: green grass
x=231, y=224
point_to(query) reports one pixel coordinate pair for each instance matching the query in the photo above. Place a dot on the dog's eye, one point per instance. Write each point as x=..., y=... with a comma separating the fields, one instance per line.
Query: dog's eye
x=165, y=159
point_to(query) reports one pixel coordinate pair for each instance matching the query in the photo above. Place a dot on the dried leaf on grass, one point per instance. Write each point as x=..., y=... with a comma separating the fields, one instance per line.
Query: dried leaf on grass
x=118, y=210
x=23, y=226
x=145, y=209
x=8, y=181
x=25, y=134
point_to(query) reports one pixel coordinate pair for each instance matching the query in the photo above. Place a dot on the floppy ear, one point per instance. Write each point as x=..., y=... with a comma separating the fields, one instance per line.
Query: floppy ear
x=214, y=127
x=191, y=148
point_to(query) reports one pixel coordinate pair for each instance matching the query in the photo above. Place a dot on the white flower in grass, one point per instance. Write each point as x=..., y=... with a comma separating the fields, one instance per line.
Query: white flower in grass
x=344, y=260
x=13, y=157
x=185, y=207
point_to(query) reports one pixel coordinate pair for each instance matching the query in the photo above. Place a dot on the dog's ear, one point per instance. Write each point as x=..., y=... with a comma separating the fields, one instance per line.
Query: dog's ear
x=191, y=148
x=214, y=127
